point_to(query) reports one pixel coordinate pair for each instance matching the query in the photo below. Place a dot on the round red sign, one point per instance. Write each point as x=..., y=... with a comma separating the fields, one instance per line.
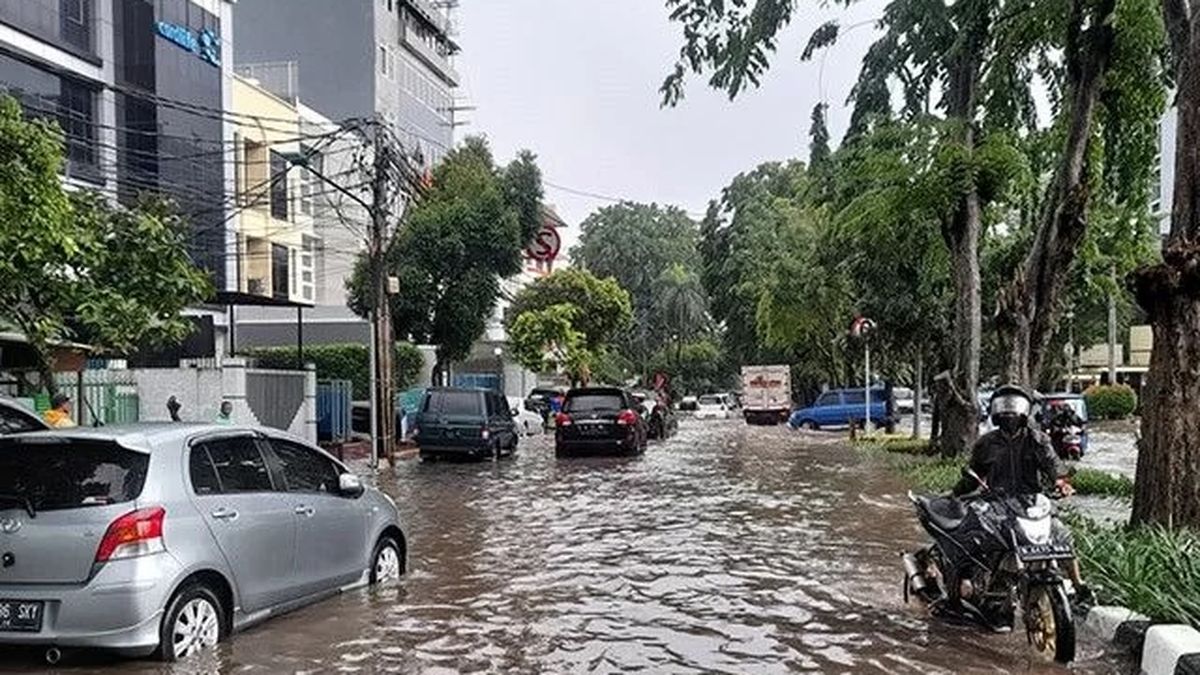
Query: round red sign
x=545, y=245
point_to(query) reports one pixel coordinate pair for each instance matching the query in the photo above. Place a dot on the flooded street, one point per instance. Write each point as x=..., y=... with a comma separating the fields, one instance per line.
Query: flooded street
x=726, y=549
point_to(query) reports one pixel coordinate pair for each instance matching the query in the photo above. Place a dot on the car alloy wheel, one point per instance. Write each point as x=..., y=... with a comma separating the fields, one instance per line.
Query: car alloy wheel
x=197, y=627
x=387, y=563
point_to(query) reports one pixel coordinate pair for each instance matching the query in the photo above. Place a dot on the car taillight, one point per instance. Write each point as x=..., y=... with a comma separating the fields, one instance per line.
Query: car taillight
x=562, y=420
x=627, y=418
x=134, y=534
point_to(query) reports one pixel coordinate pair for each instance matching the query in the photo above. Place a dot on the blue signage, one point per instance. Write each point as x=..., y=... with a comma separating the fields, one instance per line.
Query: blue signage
x=204, y=44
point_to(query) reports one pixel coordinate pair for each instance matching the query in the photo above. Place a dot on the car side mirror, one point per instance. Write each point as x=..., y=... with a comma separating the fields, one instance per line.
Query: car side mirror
x=350, y=485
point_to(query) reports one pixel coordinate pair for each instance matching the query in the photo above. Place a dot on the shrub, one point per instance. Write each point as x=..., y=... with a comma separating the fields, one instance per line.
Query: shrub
x=904, y=445
x=344, y=362
x=1094, y=482
x=1152, y=570
x=1115, y=402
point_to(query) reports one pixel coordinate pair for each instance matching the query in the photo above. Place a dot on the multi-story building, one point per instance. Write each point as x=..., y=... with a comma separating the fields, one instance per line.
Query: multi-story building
x=138, y=87
x=276, y=241
x=387, y=58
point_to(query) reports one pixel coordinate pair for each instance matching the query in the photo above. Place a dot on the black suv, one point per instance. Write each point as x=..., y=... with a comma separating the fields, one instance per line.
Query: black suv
x=599, y=420
x=475, y=423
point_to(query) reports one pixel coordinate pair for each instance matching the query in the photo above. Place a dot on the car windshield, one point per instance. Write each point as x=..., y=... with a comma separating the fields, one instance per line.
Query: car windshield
x=710, y=400
x=53, y=475
x=593, y=402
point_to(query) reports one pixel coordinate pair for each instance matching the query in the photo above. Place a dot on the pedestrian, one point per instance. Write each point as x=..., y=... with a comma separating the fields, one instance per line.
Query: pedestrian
x=173, y=406
x=59, y=414
x=225, y=414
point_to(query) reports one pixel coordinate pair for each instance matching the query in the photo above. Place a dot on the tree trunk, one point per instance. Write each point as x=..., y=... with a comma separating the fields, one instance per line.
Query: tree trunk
x=918, y=394
x=1029, y=308
x=961, y=231
x=1168, y=472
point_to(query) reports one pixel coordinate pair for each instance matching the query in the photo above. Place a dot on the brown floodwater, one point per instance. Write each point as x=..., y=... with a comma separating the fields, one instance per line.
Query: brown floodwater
x=727, y=549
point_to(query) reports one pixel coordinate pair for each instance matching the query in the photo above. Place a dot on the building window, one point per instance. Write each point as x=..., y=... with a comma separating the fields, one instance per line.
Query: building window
x=306, y=191
x=383, y=61
x=279, y=187
x=68, y=102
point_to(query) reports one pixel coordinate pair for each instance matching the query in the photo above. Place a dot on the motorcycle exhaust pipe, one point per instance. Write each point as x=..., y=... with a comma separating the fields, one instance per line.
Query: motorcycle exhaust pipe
x=53, y=656
x=916, y=576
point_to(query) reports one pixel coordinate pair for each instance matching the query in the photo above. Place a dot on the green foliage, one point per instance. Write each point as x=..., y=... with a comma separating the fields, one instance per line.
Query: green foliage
x=344, y=362
x=637, y=244
x=604, y=308
x=1116, y=402
x=681, y=304
x=545, y=340
x=903, y=445
x=935, y=476
x=455, y=244
x=1151, y=570
x=1100, y=483
x=694, y=367
x=78, y=267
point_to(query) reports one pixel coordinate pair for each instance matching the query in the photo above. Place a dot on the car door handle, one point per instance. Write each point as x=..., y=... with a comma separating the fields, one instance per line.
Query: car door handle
x=307, y=511
x=225, y=514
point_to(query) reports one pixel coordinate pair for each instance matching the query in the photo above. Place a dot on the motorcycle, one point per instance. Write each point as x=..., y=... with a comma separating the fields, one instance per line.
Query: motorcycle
x=1067, y=441
x=990, y=556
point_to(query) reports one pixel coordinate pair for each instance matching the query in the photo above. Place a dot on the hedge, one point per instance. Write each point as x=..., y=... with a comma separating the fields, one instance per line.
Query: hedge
x=1106, y=402
x=344, y=362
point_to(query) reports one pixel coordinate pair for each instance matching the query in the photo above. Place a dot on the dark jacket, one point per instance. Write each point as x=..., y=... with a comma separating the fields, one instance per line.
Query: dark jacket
x=1023, y=465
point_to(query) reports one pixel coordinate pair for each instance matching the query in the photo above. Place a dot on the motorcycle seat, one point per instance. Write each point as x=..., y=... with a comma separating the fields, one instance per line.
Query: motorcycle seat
x=946, y=513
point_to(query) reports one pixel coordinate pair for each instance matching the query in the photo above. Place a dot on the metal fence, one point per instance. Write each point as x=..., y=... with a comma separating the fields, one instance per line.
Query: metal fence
x=334, y=399
x=108, y=396
x=275, y=396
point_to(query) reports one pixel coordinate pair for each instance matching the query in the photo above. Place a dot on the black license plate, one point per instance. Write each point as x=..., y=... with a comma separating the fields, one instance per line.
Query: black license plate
x=1045, y=552
x=21, y=616
x=593, y=429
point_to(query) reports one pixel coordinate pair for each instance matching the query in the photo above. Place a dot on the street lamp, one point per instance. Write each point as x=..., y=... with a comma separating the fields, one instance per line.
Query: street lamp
x=498, y=352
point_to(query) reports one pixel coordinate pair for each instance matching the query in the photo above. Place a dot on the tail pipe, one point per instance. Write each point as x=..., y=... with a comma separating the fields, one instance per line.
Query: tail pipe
x=53, y=656
x=914, y=573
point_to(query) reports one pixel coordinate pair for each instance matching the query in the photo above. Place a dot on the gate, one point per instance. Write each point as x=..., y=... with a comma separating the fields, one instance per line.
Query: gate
x=109, y=396
x=334, y=398
x=275, y=396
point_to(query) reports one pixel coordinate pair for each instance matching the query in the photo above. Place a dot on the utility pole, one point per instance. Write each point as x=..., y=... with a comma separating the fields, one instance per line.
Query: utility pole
x=384, y=396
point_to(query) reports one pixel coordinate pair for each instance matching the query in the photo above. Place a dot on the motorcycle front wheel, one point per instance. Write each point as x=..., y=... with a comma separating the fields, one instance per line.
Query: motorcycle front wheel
x=1050, y=624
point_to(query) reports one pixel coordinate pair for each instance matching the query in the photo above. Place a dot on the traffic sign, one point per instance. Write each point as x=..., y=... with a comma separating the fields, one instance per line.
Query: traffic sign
x=546, y=244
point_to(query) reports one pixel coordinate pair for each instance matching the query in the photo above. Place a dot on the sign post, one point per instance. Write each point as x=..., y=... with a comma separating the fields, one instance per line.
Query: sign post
x=861, y=328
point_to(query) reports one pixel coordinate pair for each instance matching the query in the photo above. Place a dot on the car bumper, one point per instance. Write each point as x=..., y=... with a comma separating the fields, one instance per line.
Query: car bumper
x=464, y=448
x=595, y=446
x=119, y=609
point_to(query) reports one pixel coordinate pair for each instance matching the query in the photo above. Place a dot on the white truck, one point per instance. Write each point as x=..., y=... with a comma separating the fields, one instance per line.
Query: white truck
x=766, y=394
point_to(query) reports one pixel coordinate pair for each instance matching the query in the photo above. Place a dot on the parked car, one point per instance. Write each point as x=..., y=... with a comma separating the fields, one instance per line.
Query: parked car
x=541, y=401
x=841, y=407
x=16, y=418
x=905, y=400
x=165, y=538
x=688, y=404
x=528, y=422
x=712, y=407
x=465, y=422
x=599, y=420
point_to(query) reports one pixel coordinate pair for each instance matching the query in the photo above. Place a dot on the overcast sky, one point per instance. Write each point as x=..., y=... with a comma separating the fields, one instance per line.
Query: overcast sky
x=576, y=81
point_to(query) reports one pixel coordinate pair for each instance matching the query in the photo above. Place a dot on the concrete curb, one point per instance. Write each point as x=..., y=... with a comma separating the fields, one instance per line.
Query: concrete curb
x=1162, y=649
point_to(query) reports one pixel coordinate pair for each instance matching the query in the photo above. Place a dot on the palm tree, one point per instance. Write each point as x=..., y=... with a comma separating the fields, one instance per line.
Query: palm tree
x=681, y=302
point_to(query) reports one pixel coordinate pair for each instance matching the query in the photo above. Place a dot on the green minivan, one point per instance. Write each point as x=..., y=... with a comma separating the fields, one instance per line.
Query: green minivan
x=465, y=422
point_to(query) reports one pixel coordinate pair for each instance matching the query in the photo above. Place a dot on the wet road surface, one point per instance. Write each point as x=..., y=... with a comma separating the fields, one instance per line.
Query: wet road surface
x=726, y=549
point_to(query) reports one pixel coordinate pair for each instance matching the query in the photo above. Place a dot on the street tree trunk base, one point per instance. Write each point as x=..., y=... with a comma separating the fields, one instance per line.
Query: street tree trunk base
x=1167, y=489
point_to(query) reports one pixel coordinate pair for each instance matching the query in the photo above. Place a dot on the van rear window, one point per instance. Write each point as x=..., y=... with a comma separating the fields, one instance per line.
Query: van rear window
x=68, y=474
x=461, y=403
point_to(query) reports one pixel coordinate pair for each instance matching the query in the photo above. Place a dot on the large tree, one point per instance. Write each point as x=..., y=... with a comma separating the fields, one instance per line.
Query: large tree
x=1168, y=472
x=978, y=62
x=465, y=233
x=635, y=244
x=78, y=267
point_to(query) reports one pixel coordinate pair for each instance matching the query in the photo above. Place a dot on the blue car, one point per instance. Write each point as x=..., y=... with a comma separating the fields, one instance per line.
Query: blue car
x=841, y=408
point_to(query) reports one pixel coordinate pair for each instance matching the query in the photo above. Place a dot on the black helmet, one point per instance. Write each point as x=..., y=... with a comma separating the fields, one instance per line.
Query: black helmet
x=1009, y=408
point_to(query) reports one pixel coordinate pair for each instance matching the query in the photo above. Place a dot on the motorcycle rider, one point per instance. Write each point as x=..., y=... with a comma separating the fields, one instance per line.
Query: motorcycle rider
x=1016, y=459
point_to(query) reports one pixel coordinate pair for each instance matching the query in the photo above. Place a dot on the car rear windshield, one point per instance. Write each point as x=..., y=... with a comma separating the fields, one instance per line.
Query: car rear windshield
x=460, y=403
x=593, y=402
x=68, y=474
x=710, y=400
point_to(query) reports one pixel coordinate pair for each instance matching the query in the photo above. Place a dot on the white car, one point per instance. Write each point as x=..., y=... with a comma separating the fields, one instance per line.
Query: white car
x=905, y=400
x=712, y=407
x=528, y=422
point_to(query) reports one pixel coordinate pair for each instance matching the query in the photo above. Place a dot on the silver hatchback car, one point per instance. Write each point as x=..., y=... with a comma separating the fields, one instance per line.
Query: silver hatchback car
x=164, y=539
